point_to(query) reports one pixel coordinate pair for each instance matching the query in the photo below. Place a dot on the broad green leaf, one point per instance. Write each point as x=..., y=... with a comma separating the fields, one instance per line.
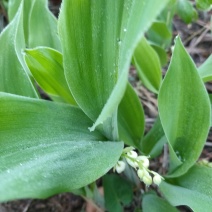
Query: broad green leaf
x=184, y=108
x=98, y=39
x=175, y=159
x=46, y=66
x=205, y=70
x=46, y=148
x=203, y=4
x=14, y=73
x=147, y=65
x=130, y=118
x=117, y=191
x=13, y=6
x=27, y=7
x=186, y=11
x=42, y=26
x=153, y=142
x=159, y=34
x=153, y=203
x=192, y=189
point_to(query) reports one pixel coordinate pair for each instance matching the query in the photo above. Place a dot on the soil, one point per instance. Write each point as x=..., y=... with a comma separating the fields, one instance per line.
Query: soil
x=198, y=41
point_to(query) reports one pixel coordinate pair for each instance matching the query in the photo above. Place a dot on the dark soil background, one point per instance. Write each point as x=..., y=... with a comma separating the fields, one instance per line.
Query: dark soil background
x=198, y=41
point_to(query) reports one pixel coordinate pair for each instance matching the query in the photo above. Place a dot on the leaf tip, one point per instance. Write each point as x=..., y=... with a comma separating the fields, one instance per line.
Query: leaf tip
x=177, y=39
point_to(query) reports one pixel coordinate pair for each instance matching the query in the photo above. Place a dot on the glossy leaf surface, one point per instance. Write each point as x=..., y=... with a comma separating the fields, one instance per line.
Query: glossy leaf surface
x=147, y=65
x=153, y=203
x=192, y=189
x=46, y=66
x=205, y=70
x=14, y=73
x=98, y=39
x=184, y=108
x=45, y=147
x=130, y=118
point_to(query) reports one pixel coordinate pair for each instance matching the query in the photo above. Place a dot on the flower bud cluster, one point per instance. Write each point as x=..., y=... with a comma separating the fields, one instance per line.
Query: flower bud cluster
x=141, y=164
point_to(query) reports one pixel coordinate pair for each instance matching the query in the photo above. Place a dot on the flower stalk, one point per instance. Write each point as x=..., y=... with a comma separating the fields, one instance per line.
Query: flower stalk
x=141, y=164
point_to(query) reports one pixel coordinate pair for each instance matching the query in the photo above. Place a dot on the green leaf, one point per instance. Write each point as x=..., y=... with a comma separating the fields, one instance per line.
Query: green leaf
x=184, y=108
x=153, y=203
x=46, y=148
x=147, y=65
x=46, y=66
x=168, y=13
x=159, y=34
x=153, y=142
x=130, y=118
x=13, y=6
x=42, y=26
x=175, y=159
x=205, y=70
x=192, y=189
x=203, y=4
x=14, y=73
x=27, y=8
x=161, y=53
x=117, y=190
x=37, y=32
x=186, y=11
x=98, y=39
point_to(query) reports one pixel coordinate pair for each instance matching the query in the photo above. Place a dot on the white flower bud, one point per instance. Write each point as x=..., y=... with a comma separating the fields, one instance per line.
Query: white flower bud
x=140, y=173
x=147, y=180
x=144, y=160
x=157, y=179
x=120, y=166
x=141, y=157
x=132, y=154
x=146, y=173
x=131, y=163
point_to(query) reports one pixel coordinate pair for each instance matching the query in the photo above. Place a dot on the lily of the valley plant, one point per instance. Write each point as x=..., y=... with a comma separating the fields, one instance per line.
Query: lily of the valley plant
x=95, y=121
